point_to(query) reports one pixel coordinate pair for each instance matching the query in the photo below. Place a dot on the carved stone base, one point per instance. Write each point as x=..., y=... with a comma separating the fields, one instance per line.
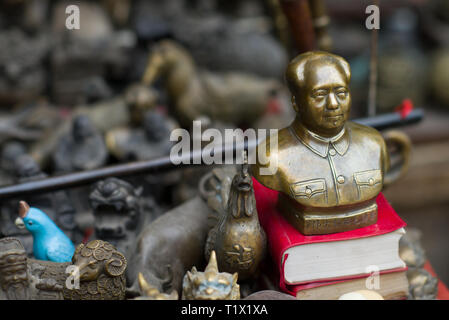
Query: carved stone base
x=328, y=222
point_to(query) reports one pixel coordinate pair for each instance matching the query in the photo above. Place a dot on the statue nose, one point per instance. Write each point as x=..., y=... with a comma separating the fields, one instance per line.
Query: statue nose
x=332, y=102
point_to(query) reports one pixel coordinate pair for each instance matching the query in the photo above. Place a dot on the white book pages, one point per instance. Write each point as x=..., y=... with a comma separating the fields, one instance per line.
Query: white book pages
x=328, y=260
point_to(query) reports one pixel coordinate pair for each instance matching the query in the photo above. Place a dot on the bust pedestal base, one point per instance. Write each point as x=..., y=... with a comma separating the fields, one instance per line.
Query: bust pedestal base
x=322, y=222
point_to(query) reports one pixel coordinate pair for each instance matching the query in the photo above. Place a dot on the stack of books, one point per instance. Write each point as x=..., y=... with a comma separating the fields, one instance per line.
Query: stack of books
x=328, y=266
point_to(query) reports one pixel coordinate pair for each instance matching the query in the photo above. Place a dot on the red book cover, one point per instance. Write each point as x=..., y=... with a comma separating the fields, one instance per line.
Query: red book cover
x=282, y=236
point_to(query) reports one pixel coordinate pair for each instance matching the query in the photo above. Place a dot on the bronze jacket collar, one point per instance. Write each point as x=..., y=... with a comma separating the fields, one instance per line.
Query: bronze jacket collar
x=320, y=145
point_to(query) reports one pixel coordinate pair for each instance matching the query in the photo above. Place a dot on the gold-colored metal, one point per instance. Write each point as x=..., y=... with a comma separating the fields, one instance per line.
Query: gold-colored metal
x=210, y=284
x=238, y=238
x=150, y=292
x=400, y=141
x=194, y=92
x=329, y=170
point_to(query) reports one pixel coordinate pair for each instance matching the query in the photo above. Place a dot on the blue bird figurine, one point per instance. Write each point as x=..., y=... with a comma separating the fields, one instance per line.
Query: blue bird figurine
x=49, y=242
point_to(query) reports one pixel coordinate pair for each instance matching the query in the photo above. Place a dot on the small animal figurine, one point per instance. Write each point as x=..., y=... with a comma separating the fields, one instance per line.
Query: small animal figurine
x=411, y=250
x=148, y=292
x=229, y=97
x=49, y=242
x=422, y=285
x=210, y=284
x=101, y=272
x=169, y=246
x=238, y=238
x=98, y=266
x=119, y=213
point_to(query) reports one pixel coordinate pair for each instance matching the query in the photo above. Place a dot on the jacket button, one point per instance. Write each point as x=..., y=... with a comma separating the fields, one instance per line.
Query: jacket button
x=341, y=179
x=332, y=152
x=371, y=182
x=308, y=191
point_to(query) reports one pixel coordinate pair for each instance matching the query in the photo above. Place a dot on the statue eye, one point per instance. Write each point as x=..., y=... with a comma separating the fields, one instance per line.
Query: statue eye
x=30, y=223
x=341, y=94
x=319, y=94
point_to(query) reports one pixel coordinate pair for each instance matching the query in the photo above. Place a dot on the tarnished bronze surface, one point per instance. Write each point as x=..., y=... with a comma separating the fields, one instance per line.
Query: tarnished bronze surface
x=149, y=292
x=230, y=97
x=332, y=169
x=101, y=273
x=169, y=246
x=238, y=238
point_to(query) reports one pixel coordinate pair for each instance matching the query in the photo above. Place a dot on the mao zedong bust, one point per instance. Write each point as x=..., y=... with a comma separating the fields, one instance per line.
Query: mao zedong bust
x=329, y=171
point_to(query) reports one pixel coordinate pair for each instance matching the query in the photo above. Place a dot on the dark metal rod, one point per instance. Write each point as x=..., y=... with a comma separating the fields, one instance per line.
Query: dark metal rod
x=77, y=179
x=392, y=120
x=162, y=164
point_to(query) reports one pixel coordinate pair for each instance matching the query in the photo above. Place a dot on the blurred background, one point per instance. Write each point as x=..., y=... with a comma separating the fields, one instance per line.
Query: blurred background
x=136, y=69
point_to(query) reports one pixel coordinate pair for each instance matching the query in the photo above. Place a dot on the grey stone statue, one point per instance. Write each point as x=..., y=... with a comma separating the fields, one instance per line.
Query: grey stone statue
x=83, y=148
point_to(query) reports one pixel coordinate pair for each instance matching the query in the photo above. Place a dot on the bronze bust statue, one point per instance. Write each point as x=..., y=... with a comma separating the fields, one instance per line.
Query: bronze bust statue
x=329, y=170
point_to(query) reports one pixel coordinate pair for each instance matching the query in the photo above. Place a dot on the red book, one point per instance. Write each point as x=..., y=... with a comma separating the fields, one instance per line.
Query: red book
x=282, y=236
x=296, y=288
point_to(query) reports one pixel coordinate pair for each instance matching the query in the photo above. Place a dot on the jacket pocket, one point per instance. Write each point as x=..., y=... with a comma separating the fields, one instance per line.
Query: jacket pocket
x=369, y=183
x=314, y=189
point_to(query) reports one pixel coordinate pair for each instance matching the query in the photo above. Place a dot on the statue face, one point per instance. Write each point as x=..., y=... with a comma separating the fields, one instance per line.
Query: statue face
x=325, y=101
x=116, y=209
x=13, y=277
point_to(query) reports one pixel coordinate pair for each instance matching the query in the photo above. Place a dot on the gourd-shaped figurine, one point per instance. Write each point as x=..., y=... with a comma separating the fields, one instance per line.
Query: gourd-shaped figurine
x=49, y=242
x=238, y=238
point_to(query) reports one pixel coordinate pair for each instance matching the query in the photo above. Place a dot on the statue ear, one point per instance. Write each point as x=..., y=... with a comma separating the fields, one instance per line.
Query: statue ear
x=294, y=105
x=116, y=265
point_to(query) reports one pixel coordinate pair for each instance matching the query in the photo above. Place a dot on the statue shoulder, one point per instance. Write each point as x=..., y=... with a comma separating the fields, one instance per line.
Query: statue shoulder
x=266, y=167
x=366, y=134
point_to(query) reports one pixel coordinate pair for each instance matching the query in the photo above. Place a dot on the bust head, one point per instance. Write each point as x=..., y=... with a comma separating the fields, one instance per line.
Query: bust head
x=319, y=84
